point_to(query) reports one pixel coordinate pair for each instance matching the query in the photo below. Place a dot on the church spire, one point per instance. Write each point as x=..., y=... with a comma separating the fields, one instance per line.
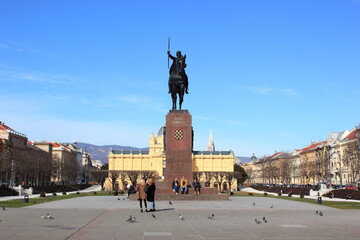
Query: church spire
x=211, y=145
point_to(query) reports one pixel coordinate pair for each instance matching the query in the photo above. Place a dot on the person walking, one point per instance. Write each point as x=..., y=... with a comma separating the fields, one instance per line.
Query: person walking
x=151, y=188
x=140, y=188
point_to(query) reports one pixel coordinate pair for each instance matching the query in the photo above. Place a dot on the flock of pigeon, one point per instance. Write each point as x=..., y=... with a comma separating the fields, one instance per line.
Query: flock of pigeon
x=258, y=221
x=132, y=219
x=319, y=213
x=48, y=216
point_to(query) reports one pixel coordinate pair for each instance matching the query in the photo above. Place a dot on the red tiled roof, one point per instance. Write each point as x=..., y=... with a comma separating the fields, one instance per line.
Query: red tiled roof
x=54, y=144
x=353, y=135
x=312, y=146
x=274, y=155
x=4, y=127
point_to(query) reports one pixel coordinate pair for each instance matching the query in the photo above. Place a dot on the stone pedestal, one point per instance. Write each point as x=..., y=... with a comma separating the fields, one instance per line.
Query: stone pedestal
x=178, y=146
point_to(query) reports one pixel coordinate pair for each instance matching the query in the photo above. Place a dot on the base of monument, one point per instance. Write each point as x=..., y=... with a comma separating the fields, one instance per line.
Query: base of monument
x=163, y=192
x=187, y=197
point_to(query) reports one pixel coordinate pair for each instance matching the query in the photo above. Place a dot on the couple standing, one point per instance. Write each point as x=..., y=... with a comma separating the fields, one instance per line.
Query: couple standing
x=146, y=192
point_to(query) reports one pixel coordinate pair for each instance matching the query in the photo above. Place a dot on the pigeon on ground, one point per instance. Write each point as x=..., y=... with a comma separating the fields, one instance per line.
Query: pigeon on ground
x=48, y=216
x=316, y=212
x=131, y=219
x=264, y=219
x=118, y=198
x=181, y=217
x=42, y=216
x=212, y=216
x=272, y=206
x=4, y=208
x=257, y=221
x=321, y=213
x=170, y=203
x=153, y=215
x=253, y=203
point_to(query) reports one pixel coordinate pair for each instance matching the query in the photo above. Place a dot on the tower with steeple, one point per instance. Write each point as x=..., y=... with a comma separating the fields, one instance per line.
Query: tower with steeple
x=211, y=145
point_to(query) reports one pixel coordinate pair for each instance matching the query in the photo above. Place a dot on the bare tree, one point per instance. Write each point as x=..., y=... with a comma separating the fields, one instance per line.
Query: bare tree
x=197, y=175
x=208, y=176
x=219, y=177
x=285, y=168
x=113, y=176
x=99, y=175
x=148, y=174
x=133, y=176
x=304, y=168
x=351, y=159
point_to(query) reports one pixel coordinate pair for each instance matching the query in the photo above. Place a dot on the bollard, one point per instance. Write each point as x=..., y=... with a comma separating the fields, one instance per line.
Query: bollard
x=26, y=198
x=319, y=200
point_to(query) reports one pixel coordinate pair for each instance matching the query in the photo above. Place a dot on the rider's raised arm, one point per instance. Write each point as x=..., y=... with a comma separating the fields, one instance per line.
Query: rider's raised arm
x=171, y=56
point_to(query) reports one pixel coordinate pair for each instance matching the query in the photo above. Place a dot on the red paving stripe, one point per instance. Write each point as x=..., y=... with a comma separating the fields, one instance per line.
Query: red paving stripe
x=82, y=232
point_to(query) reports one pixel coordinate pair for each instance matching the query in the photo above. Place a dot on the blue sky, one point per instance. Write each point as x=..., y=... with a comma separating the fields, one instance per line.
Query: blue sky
x=265, y=76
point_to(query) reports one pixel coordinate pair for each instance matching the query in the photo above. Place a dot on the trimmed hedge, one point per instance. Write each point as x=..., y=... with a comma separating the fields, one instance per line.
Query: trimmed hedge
x=6, y=191
x=285, y=190
x=60, y=188
x=343, y=193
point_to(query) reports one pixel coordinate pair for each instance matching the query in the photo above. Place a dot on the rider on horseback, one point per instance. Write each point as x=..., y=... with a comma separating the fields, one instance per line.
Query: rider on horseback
x=179, y=65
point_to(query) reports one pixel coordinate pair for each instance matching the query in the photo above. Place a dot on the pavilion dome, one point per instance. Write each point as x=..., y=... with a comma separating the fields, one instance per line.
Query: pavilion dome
x=161, y=131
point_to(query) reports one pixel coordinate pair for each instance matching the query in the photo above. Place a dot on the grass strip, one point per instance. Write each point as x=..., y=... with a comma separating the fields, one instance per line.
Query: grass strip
x=334, y=204
x=18, y=203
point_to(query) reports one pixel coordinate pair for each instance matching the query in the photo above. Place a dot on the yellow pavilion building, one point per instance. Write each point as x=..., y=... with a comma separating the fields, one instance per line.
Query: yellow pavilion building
x=154, y=159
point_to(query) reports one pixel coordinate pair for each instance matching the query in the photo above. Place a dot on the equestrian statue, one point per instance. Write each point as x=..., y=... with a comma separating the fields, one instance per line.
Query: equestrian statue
x=178, y=80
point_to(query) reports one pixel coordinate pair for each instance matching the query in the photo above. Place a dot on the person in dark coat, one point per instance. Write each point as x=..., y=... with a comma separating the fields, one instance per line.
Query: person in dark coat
x=197, y=187
x=151, y=194
x=175, y=185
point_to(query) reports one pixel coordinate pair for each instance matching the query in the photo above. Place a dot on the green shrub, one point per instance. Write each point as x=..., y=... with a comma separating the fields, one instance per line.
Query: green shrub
x=64, y=193
x=94, y=193
x=54, y=194
x=265, y=194
x=279, y=194
x=77, y=192
x=42, y=194
x=251, y=194
x=289, y=194
x=302, y=196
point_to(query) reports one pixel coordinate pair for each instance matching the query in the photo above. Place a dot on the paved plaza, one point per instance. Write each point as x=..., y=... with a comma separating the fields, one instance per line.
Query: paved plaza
x=103, y=217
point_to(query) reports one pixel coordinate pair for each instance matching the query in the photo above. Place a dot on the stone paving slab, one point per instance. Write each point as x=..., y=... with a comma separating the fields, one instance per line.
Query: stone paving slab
x=99, y=217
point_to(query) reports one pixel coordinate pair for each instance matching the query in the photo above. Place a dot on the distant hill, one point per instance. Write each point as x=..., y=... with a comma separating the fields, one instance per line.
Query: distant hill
x=245, y=159
x=101, y=152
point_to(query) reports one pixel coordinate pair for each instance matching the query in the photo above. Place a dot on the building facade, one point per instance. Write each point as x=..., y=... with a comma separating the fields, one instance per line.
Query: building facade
x=335, y=162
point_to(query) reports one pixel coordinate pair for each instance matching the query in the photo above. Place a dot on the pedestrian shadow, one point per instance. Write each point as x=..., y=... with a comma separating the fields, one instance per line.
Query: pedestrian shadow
x=165, y=209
